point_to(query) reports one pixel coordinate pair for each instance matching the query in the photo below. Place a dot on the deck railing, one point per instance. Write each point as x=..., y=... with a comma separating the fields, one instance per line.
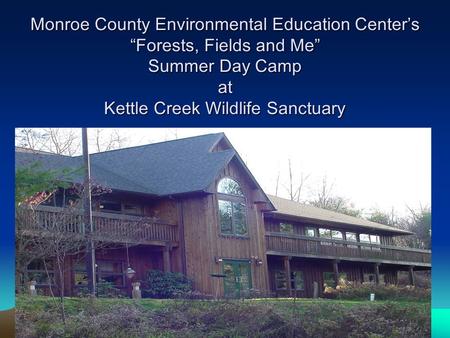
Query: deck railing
x=291, y=244
x=106, y=226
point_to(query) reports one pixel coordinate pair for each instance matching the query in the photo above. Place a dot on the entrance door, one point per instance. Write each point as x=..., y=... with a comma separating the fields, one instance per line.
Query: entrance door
x=238, y=278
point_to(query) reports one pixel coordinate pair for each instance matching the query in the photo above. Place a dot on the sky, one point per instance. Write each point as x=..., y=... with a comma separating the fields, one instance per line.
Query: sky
x=375, y=168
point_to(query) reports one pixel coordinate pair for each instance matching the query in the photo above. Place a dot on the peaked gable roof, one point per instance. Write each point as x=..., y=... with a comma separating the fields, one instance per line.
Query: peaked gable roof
x=161, y=169
x=287, y=207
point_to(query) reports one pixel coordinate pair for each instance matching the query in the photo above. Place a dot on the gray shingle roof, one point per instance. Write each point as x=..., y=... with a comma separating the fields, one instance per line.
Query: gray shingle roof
x=308, y=212
x=166, y=168
x=176, y=167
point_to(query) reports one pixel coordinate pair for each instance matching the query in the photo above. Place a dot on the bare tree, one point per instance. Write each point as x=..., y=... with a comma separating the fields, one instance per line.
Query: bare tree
x=324, y=194
x=295, y=187
x=325, y=199
x=277, y=183
x=105, y=140
x=62, y=141
x=67, y=141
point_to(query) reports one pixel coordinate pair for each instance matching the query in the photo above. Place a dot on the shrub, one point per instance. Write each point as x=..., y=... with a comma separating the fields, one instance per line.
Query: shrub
x=104, y=289
x=236, y=318
x=161, y=284
x=362, y=291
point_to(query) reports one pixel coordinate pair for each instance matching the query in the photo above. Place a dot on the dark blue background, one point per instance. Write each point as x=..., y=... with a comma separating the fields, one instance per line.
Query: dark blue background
x=387, y=79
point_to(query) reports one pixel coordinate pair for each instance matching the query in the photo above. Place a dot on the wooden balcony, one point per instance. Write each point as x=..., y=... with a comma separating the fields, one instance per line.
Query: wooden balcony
x=108, y=227
x=303, y=246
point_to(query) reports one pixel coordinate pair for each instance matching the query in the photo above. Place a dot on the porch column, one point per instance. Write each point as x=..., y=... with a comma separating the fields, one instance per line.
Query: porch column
x=166, y=258
x=287, y=270
x=336, y=272
x=412, y=277
x=377, y=273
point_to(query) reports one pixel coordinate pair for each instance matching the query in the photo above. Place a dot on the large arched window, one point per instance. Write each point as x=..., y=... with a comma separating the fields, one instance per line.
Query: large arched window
x=232, y=208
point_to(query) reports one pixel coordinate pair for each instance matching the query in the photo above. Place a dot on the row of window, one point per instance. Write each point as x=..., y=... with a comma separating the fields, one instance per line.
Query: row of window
x=62, y=199
x=298, y=282
x=107, y=271
x=332, y=234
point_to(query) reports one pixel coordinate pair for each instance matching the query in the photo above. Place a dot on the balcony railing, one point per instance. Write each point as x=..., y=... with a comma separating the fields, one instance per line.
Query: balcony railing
x=106, y=226
x=298, y=245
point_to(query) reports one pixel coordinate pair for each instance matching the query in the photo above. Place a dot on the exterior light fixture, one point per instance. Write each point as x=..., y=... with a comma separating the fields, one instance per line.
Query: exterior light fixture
x=257, y=260
x=130, y=273
x=218, y=260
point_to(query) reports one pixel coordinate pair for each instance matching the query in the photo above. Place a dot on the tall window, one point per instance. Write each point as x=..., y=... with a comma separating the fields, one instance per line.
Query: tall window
x=232, y=208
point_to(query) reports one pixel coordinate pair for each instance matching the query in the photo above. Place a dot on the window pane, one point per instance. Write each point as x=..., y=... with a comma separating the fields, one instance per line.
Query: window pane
x=298, y=282
x=280, y=280
x=225, y=216
x=364, y=238
x=286, y=227
x=325, y=233
x=350, y=236
x=230, y=187
x=310, y=232
x=239, y=218
x=336, y=234
x=375, y=239
x=244, y=277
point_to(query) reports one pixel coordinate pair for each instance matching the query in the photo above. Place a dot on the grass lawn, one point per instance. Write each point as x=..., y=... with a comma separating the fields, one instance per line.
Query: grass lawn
x=74, y=305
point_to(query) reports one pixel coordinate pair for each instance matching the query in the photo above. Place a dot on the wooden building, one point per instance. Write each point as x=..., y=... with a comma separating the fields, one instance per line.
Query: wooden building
x=192, y=206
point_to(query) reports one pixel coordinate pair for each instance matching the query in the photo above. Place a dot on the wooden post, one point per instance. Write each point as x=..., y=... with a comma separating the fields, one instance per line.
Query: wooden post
x=32, y=288
x=287, y=271
x=377, y=273
x=412, y=277
x=87, y=215
x=315, y=289
x=336, y=272
x=166, y=257
x=136, y=291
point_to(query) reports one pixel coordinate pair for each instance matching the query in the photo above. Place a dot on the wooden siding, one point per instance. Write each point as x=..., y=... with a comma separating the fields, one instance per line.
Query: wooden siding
x=204, y=244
